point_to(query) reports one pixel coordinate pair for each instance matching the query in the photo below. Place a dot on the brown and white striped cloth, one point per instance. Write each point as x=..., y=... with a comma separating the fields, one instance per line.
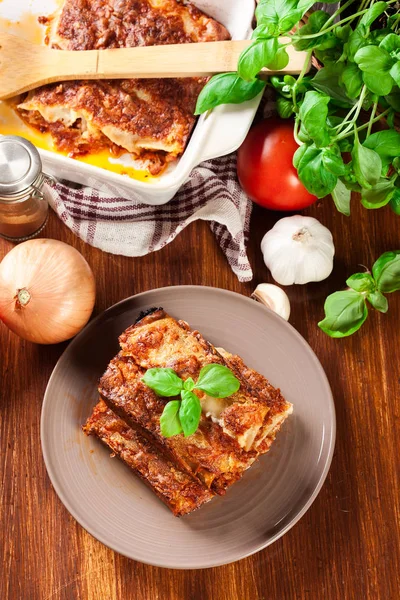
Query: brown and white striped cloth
x=120, y=226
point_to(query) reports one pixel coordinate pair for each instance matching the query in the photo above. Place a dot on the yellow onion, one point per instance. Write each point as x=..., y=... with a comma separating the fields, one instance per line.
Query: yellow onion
x=47, y=291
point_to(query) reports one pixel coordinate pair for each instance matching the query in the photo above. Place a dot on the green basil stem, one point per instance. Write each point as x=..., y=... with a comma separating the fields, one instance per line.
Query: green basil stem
x=295, y=133
x=332, y=27
x=346, y=119
x=341, y=136
x=356, y=115
x=366, y=4
x=396, y=26
x=300, y=77
x=373, y=111
x=337, y=12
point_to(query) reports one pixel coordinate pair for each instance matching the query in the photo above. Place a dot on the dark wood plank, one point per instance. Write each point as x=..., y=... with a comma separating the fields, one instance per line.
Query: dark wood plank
x=346, y=546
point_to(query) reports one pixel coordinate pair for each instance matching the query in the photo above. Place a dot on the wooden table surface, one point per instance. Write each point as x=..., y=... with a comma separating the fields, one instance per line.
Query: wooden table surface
x=347, y=545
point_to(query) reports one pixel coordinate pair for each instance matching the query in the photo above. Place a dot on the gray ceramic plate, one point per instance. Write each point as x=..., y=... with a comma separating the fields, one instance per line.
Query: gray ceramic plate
x=119, y=510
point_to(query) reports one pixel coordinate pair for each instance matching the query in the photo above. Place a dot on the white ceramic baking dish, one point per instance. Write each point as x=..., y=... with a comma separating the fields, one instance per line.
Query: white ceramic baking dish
x=219, y=133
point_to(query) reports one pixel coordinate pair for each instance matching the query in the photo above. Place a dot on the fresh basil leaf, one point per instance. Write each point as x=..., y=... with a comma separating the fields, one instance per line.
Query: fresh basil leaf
x=217, y=381
x=189, y=412
x=393, y=99
x=395, y=201
x=328, y=57
x=378, y=301
x=386, y=143
x=367, y=164
x=352, y=80
x=298, y=155
x=317, y=179
x=345, y=312
x=357, y=40
x=313, y=115
x=390, y=117
x=329, y=43
x=390, y=43
x=327, y=81
x=287, y=22
x=169, y=421
x=280, y=61
x=282, y=13
x=345, y=144
x=386, y=272
x=379, y=195
x=342, y=196
x=372, y=59
x=350, y=178
x=343, y=32
x=334, y=121
x=373, y=13
x=380, y=82
x=266, y=30
x=333, y=161
x=395, y=72
x=277, y=82
x=289, y=80
x=273, y=11
x=305, y=5
x=377, y=36
x=314, y=24
x=165, y=382
x=227, y=88
x=284, y=107
x=188, y=384
x=256, y=56
x=303, y=136
x=266, y=13
x=392, y=21
x=361, y=282
x=354, y=187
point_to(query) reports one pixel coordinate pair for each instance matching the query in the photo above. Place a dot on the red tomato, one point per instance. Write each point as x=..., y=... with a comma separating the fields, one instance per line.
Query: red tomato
x=265, y=168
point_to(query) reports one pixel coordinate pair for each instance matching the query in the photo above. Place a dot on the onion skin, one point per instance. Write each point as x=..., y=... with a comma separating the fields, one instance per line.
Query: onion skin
x=58, y=291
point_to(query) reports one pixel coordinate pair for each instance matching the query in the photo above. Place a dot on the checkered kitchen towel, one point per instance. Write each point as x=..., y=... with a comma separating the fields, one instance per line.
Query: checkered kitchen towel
x=117, y=225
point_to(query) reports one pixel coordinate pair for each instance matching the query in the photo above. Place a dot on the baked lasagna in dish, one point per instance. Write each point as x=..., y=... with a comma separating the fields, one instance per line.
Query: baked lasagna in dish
x=232, y=433
x=151, y=119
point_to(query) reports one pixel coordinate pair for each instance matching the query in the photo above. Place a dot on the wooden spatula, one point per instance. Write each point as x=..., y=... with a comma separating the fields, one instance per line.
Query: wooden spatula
x=25, y=66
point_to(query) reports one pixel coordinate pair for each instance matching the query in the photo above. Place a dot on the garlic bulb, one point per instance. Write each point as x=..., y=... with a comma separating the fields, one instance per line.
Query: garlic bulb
x=274, y=298
x=298, y=250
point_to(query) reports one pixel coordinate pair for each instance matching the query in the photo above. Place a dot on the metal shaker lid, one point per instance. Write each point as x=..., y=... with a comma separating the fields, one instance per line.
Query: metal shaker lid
x=20, y=165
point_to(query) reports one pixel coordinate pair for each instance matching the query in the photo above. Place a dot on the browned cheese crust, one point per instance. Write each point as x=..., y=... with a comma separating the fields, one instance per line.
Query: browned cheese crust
x=176, y=488
x=152, y=119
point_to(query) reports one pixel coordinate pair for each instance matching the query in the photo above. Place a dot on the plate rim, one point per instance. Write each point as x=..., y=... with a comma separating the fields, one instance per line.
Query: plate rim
x=292, y=522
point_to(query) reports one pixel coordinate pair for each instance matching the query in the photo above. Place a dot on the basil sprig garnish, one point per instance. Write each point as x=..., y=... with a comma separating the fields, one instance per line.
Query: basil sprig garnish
x=183, y=416
x=346, y=311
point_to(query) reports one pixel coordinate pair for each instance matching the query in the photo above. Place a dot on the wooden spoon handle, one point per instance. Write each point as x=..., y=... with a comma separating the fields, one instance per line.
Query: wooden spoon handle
x=24, y=66
x=189, y=60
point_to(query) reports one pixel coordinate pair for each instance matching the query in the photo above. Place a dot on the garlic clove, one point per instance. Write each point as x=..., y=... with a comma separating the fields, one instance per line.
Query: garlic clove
x=274, y=298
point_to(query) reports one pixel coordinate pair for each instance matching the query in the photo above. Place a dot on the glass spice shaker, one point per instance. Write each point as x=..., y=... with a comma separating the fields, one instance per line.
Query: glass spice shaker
x=23, y=204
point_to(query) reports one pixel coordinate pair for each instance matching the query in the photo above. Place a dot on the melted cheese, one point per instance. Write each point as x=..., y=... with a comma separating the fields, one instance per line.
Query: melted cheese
x=11, y=124
x=274, y=424
x=213, y=407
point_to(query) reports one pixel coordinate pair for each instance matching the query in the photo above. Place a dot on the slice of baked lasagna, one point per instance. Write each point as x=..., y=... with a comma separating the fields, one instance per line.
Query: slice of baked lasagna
x=175, y=487
x=152, y=119
x=233, y=432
